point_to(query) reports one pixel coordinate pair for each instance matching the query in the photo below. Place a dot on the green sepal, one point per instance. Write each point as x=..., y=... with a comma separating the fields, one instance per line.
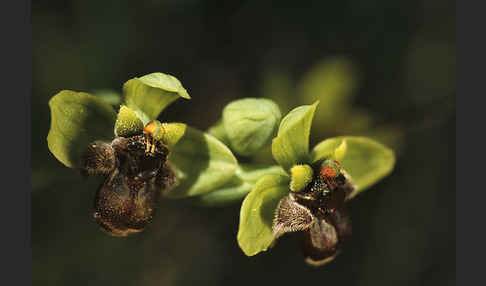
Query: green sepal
x=77, y=119
x=202, y=164
x=365, y=160
x=250, y=124
x=127, y=123
x=152, y=93
x=291, y=146
x=257, y=213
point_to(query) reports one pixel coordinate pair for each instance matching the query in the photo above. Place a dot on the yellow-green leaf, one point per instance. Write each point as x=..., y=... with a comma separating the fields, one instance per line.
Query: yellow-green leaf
x=257, y=212
x=77, y=119
x=364, y=159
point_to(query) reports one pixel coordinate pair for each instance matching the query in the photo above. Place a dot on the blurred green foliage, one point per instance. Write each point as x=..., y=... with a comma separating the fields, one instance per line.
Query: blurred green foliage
x=398, y=59
x=334, y=82
x=109, y=96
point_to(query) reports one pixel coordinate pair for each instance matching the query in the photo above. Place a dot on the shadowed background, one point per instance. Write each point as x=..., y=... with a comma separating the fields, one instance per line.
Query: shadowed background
x=384, y=69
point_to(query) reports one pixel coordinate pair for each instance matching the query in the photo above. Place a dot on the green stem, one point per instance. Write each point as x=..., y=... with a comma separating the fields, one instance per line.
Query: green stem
x=238, y=187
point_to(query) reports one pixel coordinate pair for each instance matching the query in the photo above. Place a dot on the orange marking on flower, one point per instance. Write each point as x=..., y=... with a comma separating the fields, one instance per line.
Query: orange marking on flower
x=150, y=128
x=328, y=172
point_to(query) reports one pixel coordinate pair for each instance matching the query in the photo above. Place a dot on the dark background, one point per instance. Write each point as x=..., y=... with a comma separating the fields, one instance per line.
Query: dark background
x=397, y=60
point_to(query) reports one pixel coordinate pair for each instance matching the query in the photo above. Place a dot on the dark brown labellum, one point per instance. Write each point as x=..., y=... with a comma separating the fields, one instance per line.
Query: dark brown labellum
x=127, y=200
x=123, y=206
x=324, y=240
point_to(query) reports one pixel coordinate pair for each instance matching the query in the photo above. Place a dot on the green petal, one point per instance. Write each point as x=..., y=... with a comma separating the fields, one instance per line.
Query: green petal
x=202, y=164
x=77, y=119
x=301, y=176
x=291, y=146
x=364, y=159
x=127, y=123
x=150, y=94
x=173, y=133
x=238, y=187
x=257, y=212
x=250, y=123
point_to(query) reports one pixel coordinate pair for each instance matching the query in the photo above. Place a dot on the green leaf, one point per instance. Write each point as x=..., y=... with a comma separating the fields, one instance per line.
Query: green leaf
x=257, y=212
x=250, y=123
x=202, y=164
x=127, y=123
x=238, y=187
x=364, y=159
x=291, y=146
x=77, y=119
x=150, y=94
